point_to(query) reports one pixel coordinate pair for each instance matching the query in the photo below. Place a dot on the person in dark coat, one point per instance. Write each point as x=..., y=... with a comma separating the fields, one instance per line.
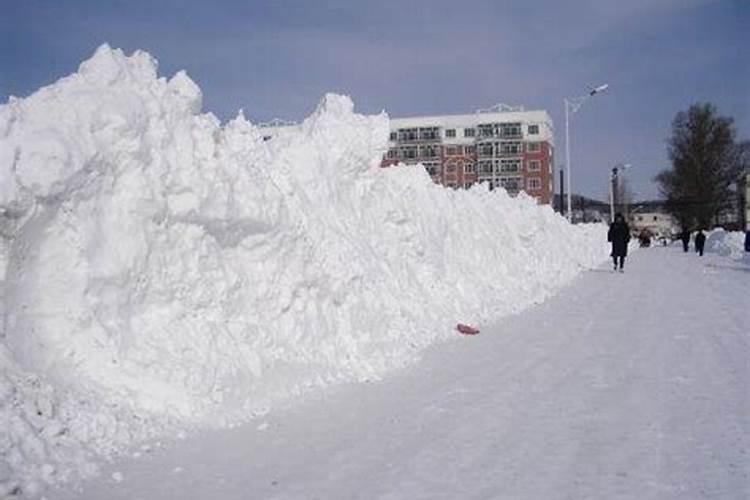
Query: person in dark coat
x=685, y=237
x=619, y=236
x=747, y=241
x=700, y=241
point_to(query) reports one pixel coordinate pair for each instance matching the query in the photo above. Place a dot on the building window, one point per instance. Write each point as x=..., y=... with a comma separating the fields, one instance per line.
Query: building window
x=428, y=134
x=450, y=132
x=486, y=149
x=485, y=166
x=469, y=132
x=392, y=153
x=450, y=168
x=454, y=150
x=533, y=147
x=470, y=150
x=428, y=151
x=486, y=130
x=510, y=166
x=534, y=183
x=409, y=152
x=394, y=135
x=511, y=183
x=535, y=166
x=533, y=129
x=510, y=148
x=407, y=134
x=510, y=129
x=469, y=168
x=432, y=168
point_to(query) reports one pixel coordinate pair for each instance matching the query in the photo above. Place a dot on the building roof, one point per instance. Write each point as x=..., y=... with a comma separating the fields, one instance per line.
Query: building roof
x=534, y=116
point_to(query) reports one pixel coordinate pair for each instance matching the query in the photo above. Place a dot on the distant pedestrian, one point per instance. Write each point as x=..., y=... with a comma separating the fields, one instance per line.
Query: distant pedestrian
x=685, y=237
x=644, y=238
x=700, y=241
x=619, y=236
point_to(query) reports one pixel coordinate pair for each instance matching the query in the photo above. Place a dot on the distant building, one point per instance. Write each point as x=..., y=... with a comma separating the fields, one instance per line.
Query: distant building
x=656, y=223
x=503, y=146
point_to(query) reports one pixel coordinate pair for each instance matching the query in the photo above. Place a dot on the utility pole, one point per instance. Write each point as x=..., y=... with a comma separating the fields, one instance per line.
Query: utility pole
x=562, y=191
x=572, y=105
x=612, y=189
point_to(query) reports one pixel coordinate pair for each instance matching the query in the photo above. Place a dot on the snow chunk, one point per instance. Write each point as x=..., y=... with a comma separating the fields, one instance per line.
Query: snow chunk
x=185, y=91
x=726, y=243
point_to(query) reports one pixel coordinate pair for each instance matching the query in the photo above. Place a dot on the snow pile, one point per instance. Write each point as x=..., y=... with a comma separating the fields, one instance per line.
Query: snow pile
x=726, y=243
x=164, y=271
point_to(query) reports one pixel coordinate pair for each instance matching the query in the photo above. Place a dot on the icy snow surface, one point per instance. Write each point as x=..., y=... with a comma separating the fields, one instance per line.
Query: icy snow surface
x=163, y=272
x=626, y=386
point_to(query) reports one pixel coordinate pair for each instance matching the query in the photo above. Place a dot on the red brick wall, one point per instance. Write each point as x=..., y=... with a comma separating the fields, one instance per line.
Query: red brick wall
x=545, y=159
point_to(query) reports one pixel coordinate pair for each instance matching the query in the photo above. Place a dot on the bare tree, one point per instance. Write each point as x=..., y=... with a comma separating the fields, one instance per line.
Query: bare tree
x=706, y=161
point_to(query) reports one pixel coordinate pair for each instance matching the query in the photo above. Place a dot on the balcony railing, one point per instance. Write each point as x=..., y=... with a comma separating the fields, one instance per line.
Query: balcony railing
x=499, y=131
x=497, y=150
x=421, y=134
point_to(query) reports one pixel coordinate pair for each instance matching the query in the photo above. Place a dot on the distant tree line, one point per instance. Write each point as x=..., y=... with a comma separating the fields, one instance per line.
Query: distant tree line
x=707, y=160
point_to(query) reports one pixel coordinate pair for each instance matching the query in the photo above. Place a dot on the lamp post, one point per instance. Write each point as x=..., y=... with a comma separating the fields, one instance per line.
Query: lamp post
x=572, y=105
x=613, y=184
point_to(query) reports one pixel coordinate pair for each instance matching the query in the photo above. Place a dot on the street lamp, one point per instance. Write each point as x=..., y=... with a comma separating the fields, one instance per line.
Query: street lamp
x=572, y=105
x=613, y=184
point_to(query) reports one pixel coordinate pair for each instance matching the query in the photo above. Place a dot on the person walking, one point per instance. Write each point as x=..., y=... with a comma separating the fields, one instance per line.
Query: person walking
x=685, y=237
x=619, y=236
x=700, y=241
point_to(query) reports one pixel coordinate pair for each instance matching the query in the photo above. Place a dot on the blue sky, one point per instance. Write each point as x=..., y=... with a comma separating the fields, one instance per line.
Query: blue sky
x=277, y=58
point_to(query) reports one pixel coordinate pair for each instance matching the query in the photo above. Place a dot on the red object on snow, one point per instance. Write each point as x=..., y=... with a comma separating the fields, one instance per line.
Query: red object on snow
x=466, y=329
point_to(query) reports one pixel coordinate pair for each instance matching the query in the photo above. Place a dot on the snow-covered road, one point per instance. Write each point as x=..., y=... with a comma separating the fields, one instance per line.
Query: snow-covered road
x=629, y=386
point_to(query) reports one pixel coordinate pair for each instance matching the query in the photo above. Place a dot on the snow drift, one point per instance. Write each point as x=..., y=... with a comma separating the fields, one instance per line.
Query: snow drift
x=726, y=243
x=163, y=271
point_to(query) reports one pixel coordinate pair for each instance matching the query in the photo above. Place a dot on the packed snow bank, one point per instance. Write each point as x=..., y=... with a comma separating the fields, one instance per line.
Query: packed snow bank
x=164, y=271
x=726, y=243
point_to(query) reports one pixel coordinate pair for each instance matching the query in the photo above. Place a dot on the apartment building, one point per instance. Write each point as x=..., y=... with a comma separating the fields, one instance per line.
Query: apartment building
x=503, y=146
